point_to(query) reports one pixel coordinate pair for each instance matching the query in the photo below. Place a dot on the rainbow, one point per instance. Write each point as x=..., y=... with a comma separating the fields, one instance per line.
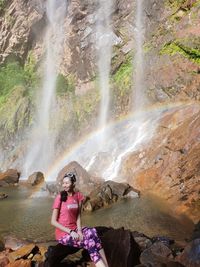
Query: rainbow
x=63, y=160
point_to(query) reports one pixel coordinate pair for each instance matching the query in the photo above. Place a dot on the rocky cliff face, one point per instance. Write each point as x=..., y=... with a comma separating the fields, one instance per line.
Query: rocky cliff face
x=169, y=164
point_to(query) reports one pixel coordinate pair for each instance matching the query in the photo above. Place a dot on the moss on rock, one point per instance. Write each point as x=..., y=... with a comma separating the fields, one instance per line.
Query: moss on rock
x=173, y=48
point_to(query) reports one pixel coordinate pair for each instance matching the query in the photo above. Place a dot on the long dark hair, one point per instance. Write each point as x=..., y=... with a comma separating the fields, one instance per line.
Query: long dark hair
x=72, y=177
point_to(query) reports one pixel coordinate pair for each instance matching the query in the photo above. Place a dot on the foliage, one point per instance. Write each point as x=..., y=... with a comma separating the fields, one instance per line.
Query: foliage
x=85, y=106
x=173, y=48
x=123, y=77
x=12, y=74
x=175, y=3
x=2, y=5
x=30, y=74
x=65, y=84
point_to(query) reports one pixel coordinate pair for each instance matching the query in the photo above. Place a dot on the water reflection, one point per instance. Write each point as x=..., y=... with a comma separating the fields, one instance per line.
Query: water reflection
x=29, y=218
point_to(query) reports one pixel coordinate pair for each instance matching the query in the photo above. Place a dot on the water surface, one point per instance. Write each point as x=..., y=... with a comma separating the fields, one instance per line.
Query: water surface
x=29, y=218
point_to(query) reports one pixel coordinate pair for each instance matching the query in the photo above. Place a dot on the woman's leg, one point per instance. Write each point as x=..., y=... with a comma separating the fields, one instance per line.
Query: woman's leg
x=103, y=256
x=93, y=244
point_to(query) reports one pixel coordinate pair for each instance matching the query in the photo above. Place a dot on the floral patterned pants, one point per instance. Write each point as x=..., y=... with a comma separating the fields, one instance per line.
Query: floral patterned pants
x=90, y=241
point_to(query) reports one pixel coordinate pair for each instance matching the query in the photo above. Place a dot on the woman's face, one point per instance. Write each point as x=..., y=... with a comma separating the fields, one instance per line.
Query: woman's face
x=67, y=184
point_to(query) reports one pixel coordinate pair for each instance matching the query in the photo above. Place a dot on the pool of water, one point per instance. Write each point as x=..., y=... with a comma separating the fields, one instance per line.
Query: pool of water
x=27, y=217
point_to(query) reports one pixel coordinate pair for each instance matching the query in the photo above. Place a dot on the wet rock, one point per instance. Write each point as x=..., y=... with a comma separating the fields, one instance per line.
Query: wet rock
x=51, y=187
x=169, y=167
x=156, y=255
x=14, y=243
x=35, y=178
x=191, y=254
x=84, y=180
x=196, y=232
x=10, y=176
x=22, y=252
x=4, y=259
x=1, y=245
x=107, y=193
x=20, y=263
x=120, y=247
x=165, y=240
x=143, y=242
x=3, y=195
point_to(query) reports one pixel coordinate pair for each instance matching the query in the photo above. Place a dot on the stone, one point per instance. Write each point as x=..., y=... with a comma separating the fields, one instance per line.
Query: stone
x=84, y=181
x=191, y=254
x=3, y=195
x=143, y=242
x=10, y=176
x=156, y=254
x=21, y=252
x=20, y=263
x=14, y=243
x=120, y=248
x=35, y=178
x=107, y=193
x=196, y=232
x=3, y=259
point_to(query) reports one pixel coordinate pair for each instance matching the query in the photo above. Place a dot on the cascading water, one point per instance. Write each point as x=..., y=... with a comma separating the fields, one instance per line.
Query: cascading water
x=138, y=62
x=104, y=51
x=41, y=149
x=129, y=136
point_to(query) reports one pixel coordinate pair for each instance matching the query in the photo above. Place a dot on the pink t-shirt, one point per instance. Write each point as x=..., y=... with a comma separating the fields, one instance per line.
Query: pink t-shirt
x=68, y=212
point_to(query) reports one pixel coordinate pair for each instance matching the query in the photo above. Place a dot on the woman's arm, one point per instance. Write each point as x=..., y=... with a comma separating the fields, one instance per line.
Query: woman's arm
x=55, y=223
x=78, y=222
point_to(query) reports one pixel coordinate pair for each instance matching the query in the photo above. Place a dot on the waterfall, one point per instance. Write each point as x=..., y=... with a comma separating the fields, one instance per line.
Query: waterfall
x=138, y=62
x=104, y=51
x=41, y=148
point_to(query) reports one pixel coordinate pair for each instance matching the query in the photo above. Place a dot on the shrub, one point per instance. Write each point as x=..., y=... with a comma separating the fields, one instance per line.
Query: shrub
x=65, y=84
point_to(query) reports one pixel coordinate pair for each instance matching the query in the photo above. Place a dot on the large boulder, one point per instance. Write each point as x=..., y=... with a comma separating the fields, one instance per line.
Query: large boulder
x=8, y=177
x=156, y=255
x=191, y=254
x=36, y=178
x=3, y=195
x=14, y=243
x=120, y=247
x=84, y=180
x=107, y=193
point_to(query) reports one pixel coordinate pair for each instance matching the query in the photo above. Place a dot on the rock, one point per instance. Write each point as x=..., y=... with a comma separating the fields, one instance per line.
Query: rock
x=120, y=248
x=84, y=181
x=107, y=193
x=1, y=245
x=52, y=188
x=165, y=240
x=35, y=178
x=4, y=259
x=21, y=252
x=11, y=176
x=143, y=242
x=196, y=232
x=14, y=243
x=156, y=254
x=3, y=195
x=132, y=194
x=191, y=254
x=20, y=263
x=170, y=163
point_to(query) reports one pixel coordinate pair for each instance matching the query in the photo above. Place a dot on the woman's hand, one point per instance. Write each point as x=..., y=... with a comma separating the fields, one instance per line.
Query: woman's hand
x=80, y=234
x=74, y=235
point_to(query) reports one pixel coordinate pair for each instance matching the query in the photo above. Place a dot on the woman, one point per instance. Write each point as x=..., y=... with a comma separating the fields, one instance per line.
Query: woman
x=67, y=220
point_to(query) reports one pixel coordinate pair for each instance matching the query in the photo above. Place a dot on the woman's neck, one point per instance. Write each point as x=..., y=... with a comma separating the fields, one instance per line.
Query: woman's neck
x=70, y=193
